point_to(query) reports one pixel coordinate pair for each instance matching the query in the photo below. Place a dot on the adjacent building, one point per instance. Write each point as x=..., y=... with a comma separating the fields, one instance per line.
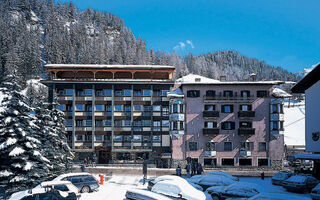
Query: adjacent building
x=119, y=113
x=227, y=123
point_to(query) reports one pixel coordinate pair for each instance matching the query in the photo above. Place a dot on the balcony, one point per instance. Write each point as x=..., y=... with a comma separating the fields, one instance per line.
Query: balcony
x=145, y=98
x=211, y=113
x=246, y=131
x=84, y=98
x=244, y=153
x=210, y=131
x=209, y=153
x=246, y=114
x=221, y=98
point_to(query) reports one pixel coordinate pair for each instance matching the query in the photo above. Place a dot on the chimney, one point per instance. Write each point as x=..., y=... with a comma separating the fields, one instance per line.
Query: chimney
x=253, y=77
x=223, y=78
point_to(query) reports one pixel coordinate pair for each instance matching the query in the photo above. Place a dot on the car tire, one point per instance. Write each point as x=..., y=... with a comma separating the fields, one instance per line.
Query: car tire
x=85, y=189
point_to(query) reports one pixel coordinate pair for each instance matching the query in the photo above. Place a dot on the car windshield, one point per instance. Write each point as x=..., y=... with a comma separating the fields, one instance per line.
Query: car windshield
x=297, y=179
x=281, y=175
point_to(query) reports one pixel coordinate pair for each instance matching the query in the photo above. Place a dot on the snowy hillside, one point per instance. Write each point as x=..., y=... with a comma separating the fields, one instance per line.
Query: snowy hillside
x=294, y=123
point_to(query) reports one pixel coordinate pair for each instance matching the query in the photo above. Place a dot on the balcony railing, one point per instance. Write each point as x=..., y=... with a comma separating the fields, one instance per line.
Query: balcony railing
x=246, y=114
x=221, y=98
x=210, y=113
x=246, y=131
x=210, y=131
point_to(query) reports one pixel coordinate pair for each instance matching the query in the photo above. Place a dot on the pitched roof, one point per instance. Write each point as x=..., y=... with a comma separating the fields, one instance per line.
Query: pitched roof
x=95, y=66
x=310, y=79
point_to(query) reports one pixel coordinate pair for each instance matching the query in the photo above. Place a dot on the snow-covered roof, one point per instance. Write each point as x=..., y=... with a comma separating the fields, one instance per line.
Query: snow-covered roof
x=294, y=123
x=51, y=183
x=70, y=174
x=108, y=66
x=175, y=93
x=277, y=92
x=197, y=79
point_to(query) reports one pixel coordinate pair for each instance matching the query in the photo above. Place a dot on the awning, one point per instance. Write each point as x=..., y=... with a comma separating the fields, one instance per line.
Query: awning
x=307, y=156
x=166, y=155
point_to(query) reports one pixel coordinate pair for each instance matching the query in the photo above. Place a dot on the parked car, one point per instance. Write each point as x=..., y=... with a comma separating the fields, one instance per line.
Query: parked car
x=137, y=194
x=3, y=195
x=84, y=181
x=40, y=193
x=224, y=174
x=300, y=183
x=277, y=196
x=315, y=192
x=152, y=182
x=176, y=189
x=206, y=181
x=235, y=190
x=279, y=177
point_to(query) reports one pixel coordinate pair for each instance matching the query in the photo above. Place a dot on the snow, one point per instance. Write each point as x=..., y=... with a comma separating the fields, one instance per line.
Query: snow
x=10, y=141
x=211, y=180
x=307, y=70
x=294, y=123
x=5, y=173
x=28, y=166
x=225, y=174
x=16, y=151
x=34, y=17
x=277, y=92
x=149, y=194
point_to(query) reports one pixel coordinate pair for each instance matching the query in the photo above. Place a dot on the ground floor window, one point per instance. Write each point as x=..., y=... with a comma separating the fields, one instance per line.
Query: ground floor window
x=123, y=156
x=245, y=162
x=142, y=156
x=263, y=162
x=210, y=162
x=227, y=162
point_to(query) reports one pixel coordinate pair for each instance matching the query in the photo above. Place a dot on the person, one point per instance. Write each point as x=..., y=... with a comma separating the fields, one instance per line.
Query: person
x=85, y=161
x=193, y=169
x=178, y=171
x=188, y=167
x=200, y=169
x=83, y=168
x=144, y=171
x=94, y=160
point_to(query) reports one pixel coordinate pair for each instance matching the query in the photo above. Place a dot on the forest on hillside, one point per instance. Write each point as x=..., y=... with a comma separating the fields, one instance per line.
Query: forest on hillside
x=36, y=32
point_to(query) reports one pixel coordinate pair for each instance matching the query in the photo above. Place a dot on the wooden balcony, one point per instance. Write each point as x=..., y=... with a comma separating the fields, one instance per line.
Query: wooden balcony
x=211, y=113
x=245, y=114
x=246, y=131
x=221, y=98
x=210, y=131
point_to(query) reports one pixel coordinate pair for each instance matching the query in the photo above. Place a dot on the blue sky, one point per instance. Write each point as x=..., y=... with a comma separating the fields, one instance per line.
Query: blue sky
x=283, y=33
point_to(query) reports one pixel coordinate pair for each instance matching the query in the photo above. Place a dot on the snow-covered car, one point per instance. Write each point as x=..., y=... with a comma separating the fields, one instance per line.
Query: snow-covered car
x=138, y=194
x=224, y=174
x=84, y=181
x=206, y=181
x=152, y=182
x=183, y=190
x=315, y=192
x=300, y=183
x=235, y=190
x=277, y=196
x=41, y=193
x=279, y=177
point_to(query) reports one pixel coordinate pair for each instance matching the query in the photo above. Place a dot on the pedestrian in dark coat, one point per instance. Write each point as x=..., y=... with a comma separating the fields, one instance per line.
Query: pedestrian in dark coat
x=200, y=169
x=144, y=171
x=178, y=171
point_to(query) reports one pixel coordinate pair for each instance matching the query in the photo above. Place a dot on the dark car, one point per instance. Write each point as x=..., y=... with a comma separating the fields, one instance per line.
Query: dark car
x=50, y=195
x=137, y=194
x=300, y=183
x=85, y=182
x=280, y=177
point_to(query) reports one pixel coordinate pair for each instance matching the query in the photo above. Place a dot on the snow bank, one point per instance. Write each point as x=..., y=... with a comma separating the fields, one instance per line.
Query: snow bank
x=224, y=174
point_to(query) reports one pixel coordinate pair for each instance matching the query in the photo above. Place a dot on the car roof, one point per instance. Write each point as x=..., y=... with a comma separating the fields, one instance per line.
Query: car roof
x=50, y=183
x=149, y=193
x=72, y=174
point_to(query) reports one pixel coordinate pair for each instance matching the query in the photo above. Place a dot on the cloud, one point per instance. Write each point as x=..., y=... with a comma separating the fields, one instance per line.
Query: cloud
x=190, y=43
x=180, y=46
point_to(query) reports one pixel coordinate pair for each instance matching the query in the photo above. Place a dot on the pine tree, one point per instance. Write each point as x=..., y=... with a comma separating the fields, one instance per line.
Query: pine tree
x=22, y=164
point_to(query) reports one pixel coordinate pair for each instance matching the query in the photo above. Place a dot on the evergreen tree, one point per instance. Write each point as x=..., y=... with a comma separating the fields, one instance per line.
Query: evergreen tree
x=22, y=164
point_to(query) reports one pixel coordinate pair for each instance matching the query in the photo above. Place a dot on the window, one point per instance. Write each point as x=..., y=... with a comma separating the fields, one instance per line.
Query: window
x=175, y=108
x=117, y=138
x=127, y=123
x=245, y=93
x=79, y=137
x=193, y=146
x=275, y=125
x=79, y=123
x=146, y=92
x=210, y=146
x=117, y=123
x=164, y=92
x=156, y=138
x=156, y=93
x=245, y=162
x=89, y=108
x=245, y=124
x=146, y=138
x=99, y=93
x=107, y=137
x=108, y=108
x=118, y=93
x=137, y=138
x=147, y=108
x=210, y=93
x=107, y=122
x=281, y=126
x=137, y=107
x=127, y=108
x=262, y=93
x=99, y=138
x=88, y=122
x=193, y=93
x=210, y=124
x=227, y=162
x=156, y=126
x=263, y=162
x=227, y=93
x=99, y=123
x=80, y=93
x=245, y=107
x=118, y=107
x=227, y=146
x=69, y=108
x=127, y=93
x=146, y=123
x=99, y=107
x=88, y=92
x=137, y=123
x=227, y=108
x=248, y=146
x=61, y=188
x=127, y=138
x=107, y=93
x=181, y=108
x=62, y=107
x=137, y=93
x=262, y=146
x=157, y=108
x=88, y=137
x=68, y=122
x=69, y=92
x=209, y=107
x=274, y=108
x=165, y=123
x=181, y=123
x=79, y=107
x=210, y=162
x=174, y=125
x=165, y=110
x=227, y=125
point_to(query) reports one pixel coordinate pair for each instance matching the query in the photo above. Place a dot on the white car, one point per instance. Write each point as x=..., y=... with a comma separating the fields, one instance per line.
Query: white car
x=280, y=177
x=138, y=194
x=315, y=192
x=65, y=187
x=181, y=189
x=224, y=174
x=235, y=190
x=277, y=196
x=206, y=181
x=151, y=183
